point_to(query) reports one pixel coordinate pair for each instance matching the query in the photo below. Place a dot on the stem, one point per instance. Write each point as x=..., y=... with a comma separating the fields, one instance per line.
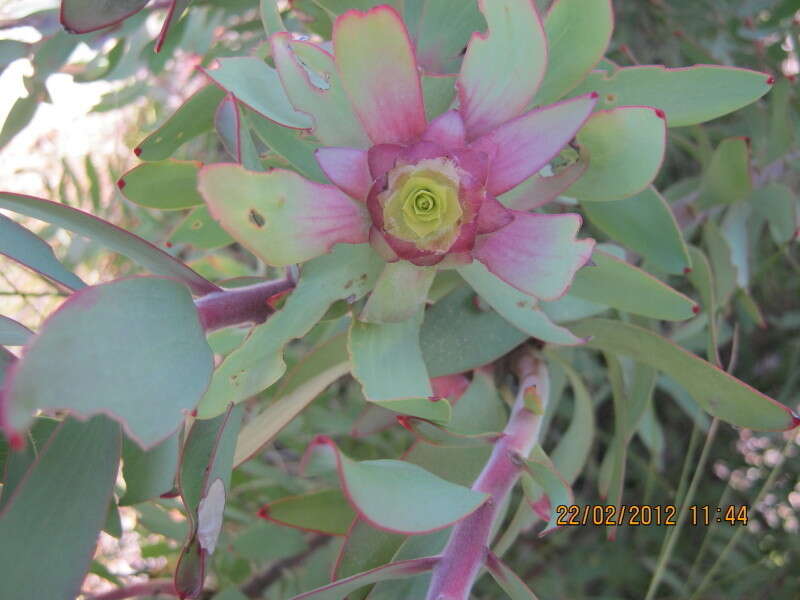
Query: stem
x=234, y=306
x=669, y=545
x=467, y=548
x=148, y=588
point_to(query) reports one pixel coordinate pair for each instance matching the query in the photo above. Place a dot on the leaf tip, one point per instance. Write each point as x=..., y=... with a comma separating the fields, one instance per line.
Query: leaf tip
x=770, y=80
x=696, y=309
x=263, y=512
x=660, y=113
x=16, y=442
x=121, y=184
x=687, y=270
x=137, y=151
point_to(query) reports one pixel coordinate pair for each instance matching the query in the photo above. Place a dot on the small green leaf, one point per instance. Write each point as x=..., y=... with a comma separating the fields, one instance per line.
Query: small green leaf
x=443, y=31
x=201, y=231
x=399, y=496
x=76, y=361
x=687, y=95
x=578, y=33
x=82, y=16
x=779, y=205
x=720, y=256
x=436, y=410
x=257, y=85
x=509, y=581
x=634, y=222
x=616, y=283
x=540, y=469
x=148, y=473
x=727, y=178
x=387, y=359
x=165, y=185
x=297, y=150
x=13, y=333
x=517, y=308
x=326, y=511
x=457, y=336
x=113, y=237
x=702, y=279
x=195, y=116
x=21, y=113
x=58, y=510
x=347, y=272
x=716, y=391
x=625, y=147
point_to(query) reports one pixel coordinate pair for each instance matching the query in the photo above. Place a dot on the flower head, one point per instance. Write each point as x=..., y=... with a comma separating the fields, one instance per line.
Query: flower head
x=422, y=189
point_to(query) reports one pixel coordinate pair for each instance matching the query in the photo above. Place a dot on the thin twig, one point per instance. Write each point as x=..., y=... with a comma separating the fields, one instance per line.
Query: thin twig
x=255, y=587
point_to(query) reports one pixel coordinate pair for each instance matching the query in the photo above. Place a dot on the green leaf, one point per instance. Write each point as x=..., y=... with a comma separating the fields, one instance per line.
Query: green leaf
x=540, y=469
x=206, y=463
x=326, y=511
x=702, y=279
x=687, y=95
x=519, y=309
x=456, y=336
x=578, y=33
x=148, y=473
x=347, y=272
x=632, y=222
x=399, y=496
x=779, y=205
x=781, y=127
x=303, y=383
x=443, y=31
x=570, y=454
x=387, y=360
x=82, y=16
x=119, y=240
x=436, y=410
x=509, y=581
x=270, y=17
x=165, y=185
x=195, y=116
x=616, y=283
x=77, y=361
x=11, y=50
x=716, y=391
x=19, y=462
x=287, y=143
x=257, y=85
x=201, y=231
x=25, y=247
x=720, y=256
x=438, y=92
x=58, y=510
x=21, y=113
x=13, y=333
x=625, y=147
x=727, y=178
x=338, y=590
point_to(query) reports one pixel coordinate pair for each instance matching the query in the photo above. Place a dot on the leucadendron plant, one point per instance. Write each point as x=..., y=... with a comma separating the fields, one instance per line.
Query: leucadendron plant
x=414, y=187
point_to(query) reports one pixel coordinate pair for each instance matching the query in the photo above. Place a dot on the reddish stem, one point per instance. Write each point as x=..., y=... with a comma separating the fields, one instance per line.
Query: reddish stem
x=248, y=304
x=466, y=551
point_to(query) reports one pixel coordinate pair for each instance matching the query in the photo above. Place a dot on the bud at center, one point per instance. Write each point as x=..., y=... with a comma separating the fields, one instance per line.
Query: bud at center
x=421, y=203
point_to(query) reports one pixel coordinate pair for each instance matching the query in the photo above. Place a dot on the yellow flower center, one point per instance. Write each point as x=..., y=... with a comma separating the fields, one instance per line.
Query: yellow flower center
x=421, y=204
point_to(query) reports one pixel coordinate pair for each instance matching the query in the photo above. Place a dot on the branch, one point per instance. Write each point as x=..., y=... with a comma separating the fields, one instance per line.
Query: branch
x=248, y=304
x=467, y=548
x=148, y=588
x=260, y=582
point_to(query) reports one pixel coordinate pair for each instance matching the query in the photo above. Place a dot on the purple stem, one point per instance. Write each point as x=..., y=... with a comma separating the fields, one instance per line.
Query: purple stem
x=247, y=304
x=468, y=546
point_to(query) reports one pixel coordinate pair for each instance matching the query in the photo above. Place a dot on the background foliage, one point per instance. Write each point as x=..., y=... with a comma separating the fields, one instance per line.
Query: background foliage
x=732, y=184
